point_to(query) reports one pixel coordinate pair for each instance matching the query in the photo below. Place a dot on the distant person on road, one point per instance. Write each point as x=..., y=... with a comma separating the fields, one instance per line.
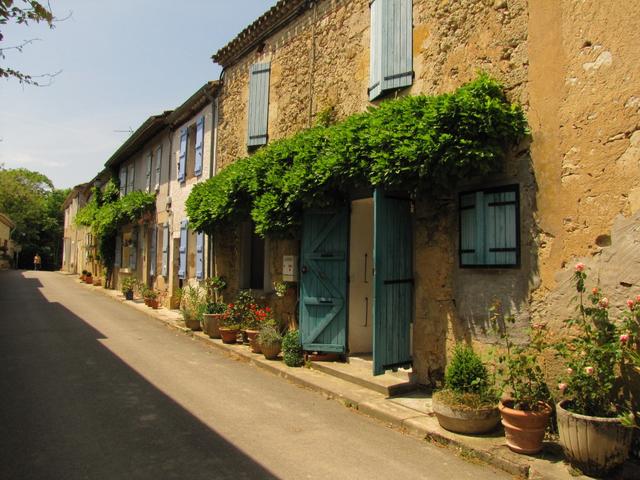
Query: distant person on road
x=36, y=262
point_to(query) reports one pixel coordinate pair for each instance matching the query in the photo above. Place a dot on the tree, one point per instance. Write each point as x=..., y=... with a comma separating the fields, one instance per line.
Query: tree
x=29, y=11
x=35, y=206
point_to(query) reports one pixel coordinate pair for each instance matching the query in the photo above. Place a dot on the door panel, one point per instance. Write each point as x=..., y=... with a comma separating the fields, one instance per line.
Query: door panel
x=393, y=282
x=323, y=280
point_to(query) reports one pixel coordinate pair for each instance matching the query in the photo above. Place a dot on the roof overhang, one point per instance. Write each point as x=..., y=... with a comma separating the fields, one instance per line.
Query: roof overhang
x=193, y=104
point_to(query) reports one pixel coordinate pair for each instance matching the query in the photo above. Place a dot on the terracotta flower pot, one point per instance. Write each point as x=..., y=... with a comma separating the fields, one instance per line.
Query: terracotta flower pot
x=271, y=351
x=229, y=335
x=152, y=302
x=594, y=445
x=192, y=324
x=524, y=431
x=211, y=324
x=254, y=343
x=88, y=280
x=467, y=420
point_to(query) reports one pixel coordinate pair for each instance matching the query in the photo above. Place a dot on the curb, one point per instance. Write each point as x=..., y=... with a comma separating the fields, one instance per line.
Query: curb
x=490, y=450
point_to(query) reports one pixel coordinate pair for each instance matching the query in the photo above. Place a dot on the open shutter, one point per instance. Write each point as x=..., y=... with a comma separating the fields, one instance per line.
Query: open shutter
x=258, y=103
x=148, y=172
x=471, y=230
x=133, y=250
x=123, y=181
x=131, y=178
x=182, y=157
x=199, y=146
x=391, y=47
x=165, y=250
x=393, y=282
x=152, y=251
x=158, y=167
x=118, y=256
x=200, y=255
x=182, y=265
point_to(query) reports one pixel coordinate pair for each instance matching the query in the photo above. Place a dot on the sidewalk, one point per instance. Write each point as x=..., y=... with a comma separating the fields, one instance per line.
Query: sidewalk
x=410, y=413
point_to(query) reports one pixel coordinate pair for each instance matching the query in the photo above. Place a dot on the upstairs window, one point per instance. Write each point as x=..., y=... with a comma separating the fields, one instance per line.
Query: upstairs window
x=182, y=156
x=391, y=48
x=259, y=74
x=158, y=168
x=490, y=228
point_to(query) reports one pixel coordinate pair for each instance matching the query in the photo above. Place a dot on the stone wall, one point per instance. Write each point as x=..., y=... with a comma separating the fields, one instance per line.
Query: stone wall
x=569, y=63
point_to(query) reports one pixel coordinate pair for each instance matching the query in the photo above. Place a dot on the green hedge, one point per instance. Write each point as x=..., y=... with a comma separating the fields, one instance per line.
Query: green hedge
x=415, y=143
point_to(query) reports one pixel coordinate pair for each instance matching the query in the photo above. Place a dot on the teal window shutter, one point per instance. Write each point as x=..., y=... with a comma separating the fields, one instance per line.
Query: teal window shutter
x=158, y=167
x=391, y=47
x=259, y=74
x=199, y=146
x=182, y=157
x=118, y=256
x=165, y=250
x=489, y=228
x=148, y=173
x=152, y=251
x=182, y=265
x=200, y=255
x=133, y=250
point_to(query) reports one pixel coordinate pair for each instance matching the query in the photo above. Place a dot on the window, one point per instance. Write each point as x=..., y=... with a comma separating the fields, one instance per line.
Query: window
x=199, y=147
x=149, y=160
x=391, y=47
x=490, y=228
x=123, y=181
x=158, y=167
x=153, y=258
x=258, y=104
x=131, y=178
x=182, y=156
x=253, y=268
x=165, y=250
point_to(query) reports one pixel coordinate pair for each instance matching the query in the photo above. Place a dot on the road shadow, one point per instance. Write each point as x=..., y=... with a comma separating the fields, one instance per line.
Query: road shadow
x=71, y=409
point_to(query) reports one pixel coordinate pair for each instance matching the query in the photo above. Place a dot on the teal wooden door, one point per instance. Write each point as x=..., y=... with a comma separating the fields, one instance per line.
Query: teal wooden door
x=393, y=282
x=323, y=280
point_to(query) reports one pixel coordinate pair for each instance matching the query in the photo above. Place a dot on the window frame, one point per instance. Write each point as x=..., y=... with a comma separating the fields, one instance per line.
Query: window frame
x=515, y=188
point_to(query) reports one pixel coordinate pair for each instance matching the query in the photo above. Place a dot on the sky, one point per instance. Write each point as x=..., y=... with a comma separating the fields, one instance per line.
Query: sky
x=120, y=61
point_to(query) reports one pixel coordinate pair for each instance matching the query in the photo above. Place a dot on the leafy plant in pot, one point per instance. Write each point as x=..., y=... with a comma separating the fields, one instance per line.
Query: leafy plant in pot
x=270, y=342
x=150, y=297
x=594, y=424
x=467, y=404
x=525, y=407
x=229, y=325
x=214, y=307
x=128, y=285
x=292, y=349
x=192, y=302
x=88, y=278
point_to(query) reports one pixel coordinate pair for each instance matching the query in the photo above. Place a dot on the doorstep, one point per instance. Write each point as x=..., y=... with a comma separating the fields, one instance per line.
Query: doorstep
x=409, y=412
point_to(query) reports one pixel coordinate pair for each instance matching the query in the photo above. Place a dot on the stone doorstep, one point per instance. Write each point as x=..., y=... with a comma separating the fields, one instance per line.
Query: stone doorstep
x=490, y=449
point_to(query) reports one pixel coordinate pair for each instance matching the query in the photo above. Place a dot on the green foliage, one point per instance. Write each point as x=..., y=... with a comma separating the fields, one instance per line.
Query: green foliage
x=596, y=350
x=415, y=144
x=192, y=302
x=269, y=335
x=292, y=349
x=241, y=311
x=35, y=206
x=465, y=372
x=214, y=287
x=128, y=285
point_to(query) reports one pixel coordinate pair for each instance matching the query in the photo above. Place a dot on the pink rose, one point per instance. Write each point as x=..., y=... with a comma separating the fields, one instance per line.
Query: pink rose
x=589, y=370
x=580, y=267
x=562, y=387
x=604, y=302
x=569, y=370
x=630, y=304
x=624, y=338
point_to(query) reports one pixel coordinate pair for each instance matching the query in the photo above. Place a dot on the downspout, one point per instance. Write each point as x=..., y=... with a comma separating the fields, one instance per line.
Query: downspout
x=312, y=60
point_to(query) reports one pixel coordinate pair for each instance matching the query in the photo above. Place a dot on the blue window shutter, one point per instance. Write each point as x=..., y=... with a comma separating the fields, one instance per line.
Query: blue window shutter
x=148, y=173
x=182, y=266
x=158, y=167
x=200, y=255
x=153, y=258
x=133, y=250
x=182, y=158
x=468, y=236
x=165, y=250
x=131, y=177
x=118, y=257
x=391, y=62
x=501, y=230
x=123, y=181
x=199, y=146
x=259, y=74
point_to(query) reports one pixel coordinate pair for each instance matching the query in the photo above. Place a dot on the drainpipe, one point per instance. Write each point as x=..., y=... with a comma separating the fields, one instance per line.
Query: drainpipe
x=312, y=58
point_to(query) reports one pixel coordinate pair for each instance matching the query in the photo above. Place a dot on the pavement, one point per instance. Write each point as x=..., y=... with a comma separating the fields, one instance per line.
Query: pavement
x=409, y=413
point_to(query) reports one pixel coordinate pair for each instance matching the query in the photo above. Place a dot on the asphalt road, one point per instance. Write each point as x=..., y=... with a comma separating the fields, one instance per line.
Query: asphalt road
x=92, y=389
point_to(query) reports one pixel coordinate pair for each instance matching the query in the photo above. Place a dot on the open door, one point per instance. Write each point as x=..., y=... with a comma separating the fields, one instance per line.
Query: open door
x=393, y=282
x=323, y=280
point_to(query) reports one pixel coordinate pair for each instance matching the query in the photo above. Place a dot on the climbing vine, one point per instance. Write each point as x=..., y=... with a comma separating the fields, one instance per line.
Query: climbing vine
x=415, y=143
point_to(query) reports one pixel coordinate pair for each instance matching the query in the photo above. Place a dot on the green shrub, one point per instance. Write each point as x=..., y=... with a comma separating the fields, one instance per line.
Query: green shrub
x=466, y=373
x=269, y=335
x=292, y=349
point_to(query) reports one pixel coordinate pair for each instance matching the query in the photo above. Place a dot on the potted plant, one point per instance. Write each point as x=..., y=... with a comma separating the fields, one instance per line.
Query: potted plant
x=128, y=285
x=150, y=297
x=229, y=325
x=88, y=278
x=214, y=307
x=467, y=404
x=192, y=302
x=525, y=407
x=270, y=342
x=292, y=349
x=83, y=274
x=594, y=425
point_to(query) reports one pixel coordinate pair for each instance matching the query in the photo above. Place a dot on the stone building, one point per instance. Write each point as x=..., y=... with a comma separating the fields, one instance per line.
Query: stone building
x=6, y=244
x=75, y=237
x=570, y=193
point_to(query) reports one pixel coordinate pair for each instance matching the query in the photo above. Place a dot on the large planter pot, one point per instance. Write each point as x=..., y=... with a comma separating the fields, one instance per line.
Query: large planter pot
x=229, y=335
x=271, y=350
x=88, y=280
x=254, y=342
x=524, y=431
x=465, y=420
x=152, y=302
x=595, y=445
x=192, y=323
x=211, y=324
